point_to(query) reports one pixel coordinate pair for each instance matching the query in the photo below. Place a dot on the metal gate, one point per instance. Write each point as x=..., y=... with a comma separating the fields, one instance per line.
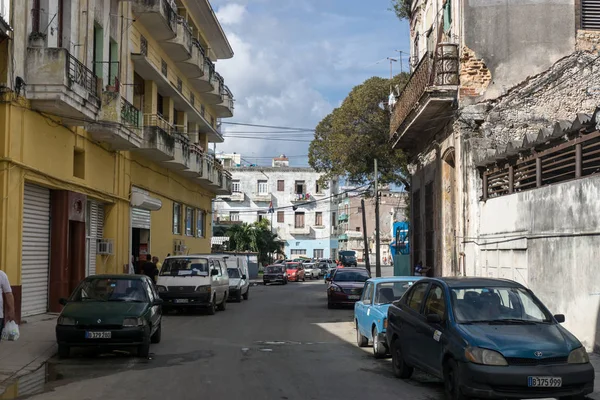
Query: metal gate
x=95, y=232
x=35, y=250
x=140, y=218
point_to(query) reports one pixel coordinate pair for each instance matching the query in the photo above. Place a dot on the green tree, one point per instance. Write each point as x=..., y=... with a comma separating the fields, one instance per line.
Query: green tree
x=402, y=8
x=348, y=140
x=256, y=237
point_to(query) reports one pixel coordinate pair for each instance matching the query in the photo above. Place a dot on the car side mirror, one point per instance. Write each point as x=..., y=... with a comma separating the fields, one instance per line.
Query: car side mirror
x=158, y=302
x=434, y=319
x=244, y=277
x=560, y=318
x=63, y=301
x=214, y=272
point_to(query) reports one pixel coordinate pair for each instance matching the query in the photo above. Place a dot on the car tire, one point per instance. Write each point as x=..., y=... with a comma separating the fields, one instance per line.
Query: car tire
x=379, y=350
x=212, y=308
x=452, y=381
x=223, y=305
x=247, y=294
x=361, y=341
x=64, y=351
x=238, y=297
x=157, y=335
x=399, y=366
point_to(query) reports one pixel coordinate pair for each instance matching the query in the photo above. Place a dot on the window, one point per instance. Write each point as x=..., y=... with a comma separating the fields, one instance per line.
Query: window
x=189, y=221
x=318, y=253
x=299, y=220
x=298, y=252
x=263, y=187
x=280, y=185
x=436, y=304
x=160, y=105
x=200, y=223
x=358, y=229
x=416, y=296
x=368, y=294
x=79, y=163
x=234, y=216
x=235, y=185
x=280, y=216
x=319, y=218
x=318, y=188
x=177, y=218
x=300, y=187
x=261, y=215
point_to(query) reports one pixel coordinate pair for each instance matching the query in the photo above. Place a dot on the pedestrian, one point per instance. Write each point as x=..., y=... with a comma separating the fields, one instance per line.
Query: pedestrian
x=6, y=291
x=156, y=262
x=131, y=265
x=149, y=268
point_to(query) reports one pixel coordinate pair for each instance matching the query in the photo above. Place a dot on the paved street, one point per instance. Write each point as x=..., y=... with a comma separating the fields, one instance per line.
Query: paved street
x=282, y=344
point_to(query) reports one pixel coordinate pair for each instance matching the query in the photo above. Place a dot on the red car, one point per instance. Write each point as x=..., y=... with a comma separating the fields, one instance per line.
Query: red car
x=295, y=272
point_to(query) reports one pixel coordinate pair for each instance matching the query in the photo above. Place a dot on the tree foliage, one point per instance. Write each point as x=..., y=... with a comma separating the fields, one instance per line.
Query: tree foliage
x=348, y=140
x=402, y=8
x=256, y=237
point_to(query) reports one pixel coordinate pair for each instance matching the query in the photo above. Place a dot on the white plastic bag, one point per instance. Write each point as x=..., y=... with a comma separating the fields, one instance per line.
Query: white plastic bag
x=11, y=331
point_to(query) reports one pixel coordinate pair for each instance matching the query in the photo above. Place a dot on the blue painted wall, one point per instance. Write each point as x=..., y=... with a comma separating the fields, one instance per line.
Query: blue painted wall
x=310, y=245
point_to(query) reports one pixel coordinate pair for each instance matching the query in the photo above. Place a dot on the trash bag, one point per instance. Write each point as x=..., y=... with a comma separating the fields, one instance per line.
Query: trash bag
x=11, y=331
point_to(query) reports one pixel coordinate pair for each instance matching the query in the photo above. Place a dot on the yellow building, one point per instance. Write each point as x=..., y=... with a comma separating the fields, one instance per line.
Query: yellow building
x=107, y=112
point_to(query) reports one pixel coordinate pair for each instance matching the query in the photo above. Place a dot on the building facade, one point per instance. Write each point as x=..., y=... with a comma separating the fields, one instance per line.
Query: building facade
x=107, y=109
x=482, y=120
x=303, y=211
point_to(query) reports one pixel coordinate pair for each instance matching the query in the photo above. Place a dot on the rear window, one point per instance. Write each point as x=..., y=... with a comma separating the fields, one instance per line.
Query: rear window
x=292, y=266
x=274, y=270
x=350, y=276
x=185, y=266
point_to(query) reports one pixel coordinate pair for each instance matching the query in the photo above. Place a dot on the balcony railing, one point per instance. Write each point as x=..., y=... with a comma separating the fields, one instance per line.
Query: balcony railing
x=129, y=114
x=170, y=14
x=433, y=73
x=159, y=122
x=82, y=75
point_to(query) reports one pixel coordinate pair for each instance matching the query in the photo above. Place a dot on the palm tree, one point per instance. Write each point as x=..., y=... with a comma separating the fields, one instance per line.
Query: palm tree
x=256, y=237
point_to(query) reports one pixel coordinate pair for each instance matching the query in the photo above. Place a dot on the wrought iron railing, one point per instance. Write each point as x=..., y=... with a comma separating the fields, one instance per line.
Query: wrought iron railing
x=110, y=69
x=158, y=121
x=81, y=75
x=129, y=114
x=187, y=33
x=170, y=14
x=209, y=68
x=227, y=97
x=196, y=43
x=144, y=46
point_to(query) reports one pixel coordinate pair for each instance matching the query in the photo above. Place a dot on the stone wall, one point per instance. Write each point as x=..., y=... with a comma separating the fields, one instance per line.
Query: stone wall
x=475, y=76
x=588, y=41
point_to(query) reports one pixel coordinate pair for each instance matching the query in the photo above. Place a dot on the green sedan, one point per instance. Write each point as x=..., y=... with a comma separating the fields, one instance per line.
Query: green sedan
x=110, y=311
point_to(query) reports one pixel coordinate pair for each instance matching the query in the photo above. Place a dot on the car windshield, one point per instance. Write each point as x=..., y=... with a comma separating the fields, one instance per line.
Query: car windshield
x=389, y=292
x=497, y=305
x=274, y=270
x=104, y=289
x=233, y=273
x=350, y=276
x=185, y=267
x=292, y=266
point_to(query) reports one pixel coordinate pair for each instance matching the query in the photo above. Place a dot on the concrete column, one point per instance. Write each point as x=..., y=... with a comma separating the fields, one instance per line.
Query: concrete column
x=169, y=109
x=181, y=119
x=203, y=141
x=193, y=132
x=150, y=93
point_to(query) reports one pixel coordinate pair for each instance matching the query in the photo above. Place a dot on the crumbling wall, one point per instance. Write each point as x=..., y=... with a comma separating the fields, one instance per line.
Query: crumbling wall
x=588, y=41
x=475, y=76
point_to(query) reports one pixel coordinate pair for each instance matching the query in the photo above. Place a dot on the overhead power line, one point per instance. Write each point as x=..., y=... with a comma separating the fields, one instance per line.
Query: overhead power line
x=266, y=126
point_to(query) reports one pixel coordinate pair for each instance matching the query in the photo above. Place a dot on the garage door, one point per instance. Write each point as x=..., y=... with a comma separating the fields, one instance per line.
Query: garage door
x=35, y=250
x=95, y=232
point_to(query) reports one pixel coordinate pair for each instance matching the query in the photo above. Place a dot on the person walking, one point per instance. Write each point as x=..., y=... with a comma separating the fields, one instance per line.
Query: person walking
x=6, y=291
x=156, y=262
x=149, y=268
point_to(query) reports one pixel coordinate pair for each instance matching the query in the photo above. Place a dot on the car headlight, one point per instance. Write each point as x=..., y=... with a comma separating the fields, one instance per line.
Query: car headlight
x=161, y=289
x=66, y=321
x=578, y=356
x=129, y=322
x=204, y=289
x=478, y=355
x=335, y=288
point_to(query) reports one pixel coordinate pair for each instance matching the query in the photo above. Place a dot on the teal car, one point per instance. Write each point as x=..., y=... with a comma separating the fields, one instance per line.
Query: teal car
x=370, y=312
x=108, y=311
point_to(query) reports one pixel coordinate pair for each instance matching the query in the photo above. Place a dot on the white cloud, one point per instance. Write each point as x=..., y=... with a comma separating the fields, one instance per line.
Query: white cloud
x=231, y=14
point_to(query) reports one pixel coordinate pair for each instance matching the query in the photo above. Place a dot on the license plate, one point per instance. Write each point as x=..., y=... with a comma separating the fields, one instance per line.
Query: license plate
x=354, y=297
x=544, y=381
x=98, y=335
x=181, y=301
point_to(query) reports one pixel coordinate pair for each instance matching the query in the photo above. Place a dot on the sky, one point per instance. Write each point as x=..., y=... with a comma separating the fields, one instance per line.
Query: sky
x=295, y=61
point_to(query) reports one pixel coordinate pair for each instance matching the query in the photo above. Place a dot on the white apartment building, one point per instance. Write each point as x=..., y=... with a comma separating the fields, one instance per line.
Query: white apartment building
x=303, y=211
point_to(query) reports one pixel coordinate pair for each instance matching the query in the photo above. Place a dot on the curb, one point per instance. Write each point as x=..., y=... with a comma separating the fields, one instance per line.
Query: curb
x=29, y=368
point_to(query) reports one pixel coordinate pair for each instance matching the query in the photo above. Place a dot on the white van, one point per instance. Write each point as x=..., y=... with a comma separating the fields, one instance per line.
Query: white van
x=194, y=281
x=239, y=281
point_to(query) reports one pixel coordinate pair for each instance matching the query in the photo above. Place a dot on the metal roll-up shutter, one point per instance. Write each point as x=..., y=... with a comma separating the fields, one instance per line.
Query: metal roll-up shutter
x=140, y=218
x=35, y=250
x=96, y=232
x=590, y=14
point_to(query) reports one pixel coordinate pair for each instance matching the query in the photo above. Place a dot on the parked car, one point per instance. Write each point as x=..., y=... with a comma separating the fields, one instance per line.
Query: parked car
x=348, y=258
x=274, y=274
x=487, y=338
x=323, y=268
x=239, y=286
x=194, y=281
x=110, y=311
x=311, y=271
x=295, y=272
x=370, y=312
x=345, y=286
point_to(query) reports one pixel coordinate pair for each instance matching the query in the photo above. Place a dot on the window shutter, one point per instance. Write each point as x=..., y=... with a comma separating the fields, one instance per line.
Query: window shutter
x=590, y=14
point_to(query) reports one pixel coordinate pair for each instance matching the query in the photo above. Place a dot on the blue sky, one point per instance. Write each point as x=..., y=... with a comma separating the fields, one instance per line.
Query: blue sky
x=296, y=60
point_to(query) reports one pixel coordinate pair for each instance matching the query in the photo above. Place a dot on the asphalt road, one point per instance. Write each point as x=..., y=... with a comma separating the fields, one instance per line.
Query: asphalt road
x=283, y=343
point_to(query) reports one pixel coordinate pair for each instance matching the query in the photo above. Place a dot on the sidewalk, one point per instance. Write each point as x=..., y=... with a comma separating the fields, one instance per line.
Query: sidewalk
x=36, y=344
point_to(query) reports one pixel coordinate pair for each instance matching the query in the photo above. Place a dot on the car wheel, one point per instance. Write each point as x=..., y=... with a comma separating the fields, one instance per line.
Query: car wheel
x=157, y=335
x=361, y=341
x=452, y=381
x=400, y=368
x=212, y=308
x=238, y=297
x=223, y=305
x=64, y=351
x=379, y=350
x=247, y=294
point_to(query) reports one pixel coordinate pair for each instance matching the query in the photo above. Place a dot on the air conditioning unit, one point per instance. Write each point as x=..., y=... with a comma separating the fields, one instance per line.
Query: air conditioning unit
x=179, y=247
x=105, y=247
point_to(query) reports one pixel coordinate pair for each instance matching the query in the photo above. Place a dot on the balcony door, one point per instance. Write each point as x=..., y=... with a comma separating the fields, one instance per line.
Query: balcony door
x=299, y=220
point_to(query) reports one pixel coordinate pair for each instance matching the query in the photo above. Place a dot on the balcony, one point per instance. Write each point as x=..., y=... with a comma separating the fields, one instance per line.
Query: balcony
x=343, y=217
x=300, y=197
x=205, y=83
x=158, y=143
x=237, y=196
x=215, y=96
x=209, y=177
x=226, y=220
x=158, y=17
x=181, y=152
x=193, y=67
x=428, y=96
x=180, y=47
x=300, y=230
x=118, y=123
x=258, y=197
x=194, y=169
x=59, y=84
x=224, y=179
x=225, y=108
